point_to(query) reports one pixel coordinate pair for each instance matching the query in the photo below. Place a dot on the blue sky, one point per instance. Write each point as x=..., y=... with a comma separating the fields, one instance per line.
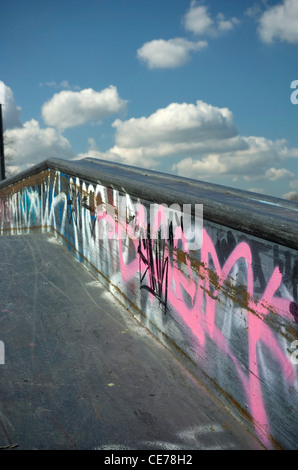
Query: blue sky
x=196, y=88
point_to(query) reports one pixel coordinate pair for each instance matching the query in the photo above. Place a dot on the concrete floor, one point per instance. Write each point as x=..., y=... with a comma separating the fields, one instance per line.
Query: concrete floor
x=81, y=373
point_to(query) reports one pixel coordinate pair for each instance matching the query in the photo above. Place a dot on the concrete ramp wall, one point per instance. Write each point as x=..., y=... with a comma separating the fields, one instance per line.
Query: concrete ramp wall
x=227, y=307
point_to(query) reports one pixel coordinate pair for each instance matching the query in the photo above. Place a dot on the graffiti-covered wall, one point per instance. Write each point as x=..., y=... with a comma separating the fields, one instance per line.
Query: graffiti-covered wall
x=227, y=303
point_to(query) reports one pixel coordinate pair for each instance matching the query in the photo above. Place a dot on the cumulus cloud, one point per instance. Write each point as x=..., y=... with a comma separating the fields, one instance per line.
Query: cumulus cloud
x=2, y=92
x=275, y=174
x=73, y=108
x=11, y=111
x=175, y=52
x=172, y=53
x=110, y=155
x=177, y=123
x=198, y=141
x=250, y=163
x=280, y=22
x=27, y=144
x=257, y=190
x=223, y=25
x=199, y=21
x=291, y=196
x=31, y=144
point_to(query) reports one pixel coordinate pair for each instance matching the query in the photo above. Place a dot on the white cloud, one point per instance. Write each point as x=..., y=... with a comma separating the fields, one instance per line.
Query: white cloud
x=280, y=22
x=224, y=25
x=2, y=92
x=110, y=155
x=198, y=141
x=198, y=20
x=275, y=174
x=73, y=108
x=177, y=123
x=30, y=144
x=173, y=53
x=250, y=163
x=257, y=190
x=11, y=111
x=194, y=140
x=291, y=196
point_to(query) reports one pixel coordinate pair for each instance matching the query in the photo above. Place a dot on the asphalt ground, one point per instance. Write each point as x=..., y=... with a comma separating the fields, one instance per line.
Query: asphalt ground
x=82, y=373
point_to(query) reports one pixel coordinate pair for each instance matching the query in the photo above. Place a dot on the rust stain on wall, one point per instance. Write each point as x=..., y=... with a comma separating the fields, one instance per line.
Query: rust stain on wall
x=31, y=181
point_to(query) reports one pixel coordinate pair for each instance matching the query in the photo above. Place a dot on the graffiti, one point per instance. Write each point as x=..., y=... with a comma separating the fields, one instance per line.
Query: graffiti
x=294, y=310
x=155, y=268
x=233, y=301
x=294, y=355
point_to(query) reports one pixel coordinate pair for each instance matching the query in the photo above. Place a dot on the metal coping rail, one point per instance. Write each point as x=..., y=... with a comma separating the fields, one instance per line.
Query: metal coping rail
x=265, y=217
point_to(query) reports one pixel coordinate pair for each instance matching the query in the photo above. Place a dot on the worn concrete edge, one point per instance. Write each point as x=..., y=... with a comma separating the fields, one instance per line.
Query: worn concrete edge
x=265, y=217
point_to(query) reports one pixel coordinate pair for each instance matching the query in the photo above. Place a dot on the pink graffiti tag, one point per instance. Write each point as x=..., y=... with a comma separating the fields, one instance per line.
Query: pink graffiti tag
x=204, y=291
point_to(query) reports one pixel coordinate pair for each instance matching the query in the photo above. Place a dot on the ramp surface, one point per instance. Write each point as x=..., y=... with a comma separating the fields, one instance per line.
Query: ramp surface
x=81, y=373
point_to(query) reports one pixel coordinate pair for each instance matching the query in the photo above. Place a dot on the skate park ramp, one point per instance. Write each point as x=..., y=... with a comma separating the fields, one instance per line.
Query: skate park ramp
x=112, y=339
x=81, y=373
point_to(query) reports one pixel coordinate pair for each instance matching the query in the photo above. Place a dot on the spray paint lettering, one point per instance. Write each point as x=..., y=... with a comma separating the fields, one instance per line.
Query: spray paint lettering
x=153, y=268
x=216, y=293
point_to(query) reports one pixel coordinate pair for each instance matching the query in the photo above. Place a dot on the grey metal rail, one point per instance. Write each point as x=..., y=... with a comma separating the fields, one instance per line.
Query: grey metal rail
x=266, y=217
